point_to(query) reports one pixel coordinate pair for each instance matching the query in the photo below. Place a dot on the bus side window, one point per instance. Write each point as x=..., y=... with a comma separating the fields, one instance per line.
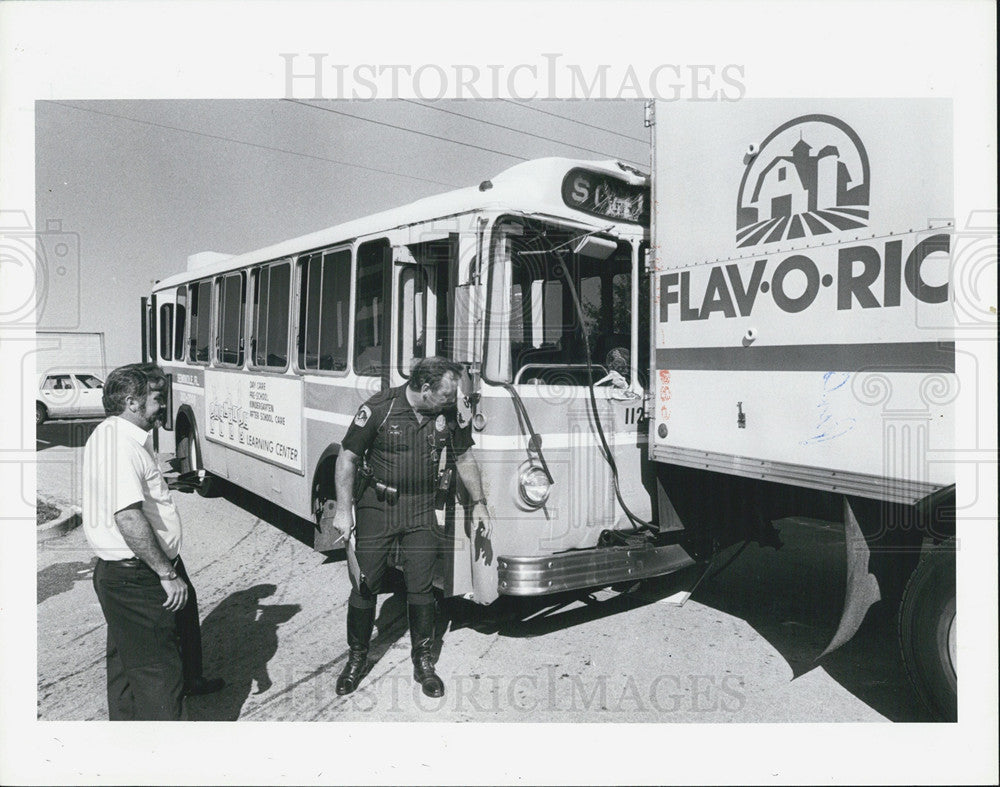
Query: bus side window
x=269, y=340
x=336, y=310
x=229, y=325
x=324, y=298
x=369, y=318
x=201, y=314
x=179, y=326
x=166, y=331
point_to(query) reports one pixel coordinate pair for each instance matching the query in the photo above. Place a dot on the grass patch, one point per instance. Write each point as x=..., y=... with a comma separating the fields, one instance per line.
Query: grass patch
x=46, y=512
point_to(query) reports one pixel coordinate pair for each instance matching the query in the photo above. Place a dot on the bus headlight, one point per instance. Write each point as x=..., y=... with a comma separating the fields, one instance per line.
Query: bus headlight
x=533, y=486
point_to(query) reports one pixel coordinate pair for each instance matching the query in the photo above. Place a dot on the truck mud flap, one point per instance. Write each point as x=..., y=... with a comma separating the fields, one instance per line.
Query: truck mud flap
x=599, y=567
x=862, y=587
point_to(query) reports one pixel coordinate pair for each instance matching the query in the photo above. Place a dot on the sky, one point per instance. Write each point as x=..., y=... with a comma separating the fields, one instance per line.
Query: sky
x=140, y=185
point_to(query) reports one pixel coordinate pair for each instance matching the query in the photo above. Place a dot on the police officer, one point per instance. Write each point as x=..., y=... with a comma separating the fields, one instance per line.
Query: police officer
x=396, y=443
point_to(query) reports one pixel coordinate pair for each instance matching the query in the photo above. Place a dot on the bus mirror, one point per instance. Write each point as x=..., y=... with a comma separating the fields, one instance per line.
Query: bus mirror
x=596, y=248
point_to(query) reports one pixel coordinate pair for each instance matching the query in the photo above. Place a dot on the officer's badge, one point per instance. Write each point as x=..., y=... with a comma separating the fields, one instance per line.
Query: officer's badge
x=440, y=423
x=363, y=415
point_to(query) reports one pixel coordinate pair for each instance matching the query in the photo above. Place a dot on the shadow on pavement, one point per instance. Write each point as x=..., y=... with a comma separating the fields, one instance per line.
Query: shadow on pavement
x=300, y=529
x=69, y=434
x=60, y=577
x=532, y=617
x=792, y=597
x=239, y=638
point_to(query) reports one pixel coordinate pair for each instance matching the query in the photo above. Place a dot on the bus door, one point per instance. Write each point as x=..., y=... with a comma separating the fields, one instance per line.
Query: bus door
x=425, y=275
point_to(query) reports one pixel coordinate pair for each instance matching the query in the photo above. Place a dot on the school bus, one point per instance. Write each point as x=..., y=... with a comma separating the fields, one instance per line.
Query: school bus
x=534, y=280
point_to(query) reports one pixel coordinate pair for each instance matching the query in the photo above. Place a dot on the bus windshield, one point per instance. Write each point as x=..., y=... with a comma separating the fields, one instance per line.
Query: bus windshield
x=534, y=330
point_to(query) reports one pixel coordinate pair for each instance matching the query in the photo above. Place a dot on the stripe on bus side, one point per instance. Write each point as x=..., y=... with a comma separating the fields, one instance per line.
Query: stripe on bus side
x=558, y=440
x=341, y=419
x=918, y=357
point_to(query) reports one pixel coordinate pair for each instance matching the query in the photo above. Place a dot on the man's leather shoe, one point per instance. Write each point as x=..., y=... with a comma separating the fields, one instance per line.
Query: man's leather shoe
x=204, y=686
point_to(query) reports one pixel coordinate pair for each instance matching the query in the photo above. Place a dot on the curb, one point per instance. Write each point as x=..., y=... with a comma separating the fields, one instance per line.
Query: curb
x=62, y=524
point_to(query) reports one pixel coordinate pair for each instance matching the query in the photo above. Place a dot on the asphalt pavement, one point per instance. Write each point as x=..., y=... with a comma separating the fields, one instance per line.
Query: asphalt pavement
x=744, y=648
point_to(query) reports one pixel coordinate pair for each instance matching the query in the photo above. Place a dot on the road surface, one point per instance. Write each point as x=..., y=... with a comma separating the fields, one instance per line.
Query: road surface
x=742, y=649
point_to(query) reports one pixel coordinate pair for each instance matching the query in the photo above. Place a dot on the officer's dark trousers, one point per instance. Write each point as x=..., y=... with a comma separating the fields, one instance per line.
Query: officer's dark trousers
x=380, y=526
x=145, y=676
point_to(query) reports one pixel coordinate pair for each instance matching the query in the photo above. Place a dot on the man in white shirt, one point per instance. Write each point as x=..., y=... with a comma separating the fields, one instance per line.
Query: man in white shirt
x=132, y=524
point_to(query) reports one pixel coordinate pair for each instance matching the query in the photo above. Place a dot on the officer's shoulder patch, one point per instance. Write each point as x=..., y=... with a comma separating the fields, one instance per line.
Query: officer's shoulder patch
x=363, y=415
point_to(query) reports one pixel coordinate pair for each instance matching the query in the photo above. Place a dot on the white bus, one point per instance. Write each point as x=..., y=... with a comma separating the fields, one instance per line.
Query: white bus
x=271, y=353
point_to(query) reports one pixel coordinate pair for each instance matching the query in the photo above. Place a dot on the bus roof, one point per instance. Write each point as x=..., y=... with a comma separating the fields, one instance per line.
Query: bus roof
x=532, y=187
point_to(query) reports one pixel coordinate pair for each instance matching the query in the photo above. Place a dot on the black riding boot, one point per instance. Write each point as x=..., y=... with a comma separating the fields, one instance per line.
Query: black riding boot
x=421, y=640
x=359, y=633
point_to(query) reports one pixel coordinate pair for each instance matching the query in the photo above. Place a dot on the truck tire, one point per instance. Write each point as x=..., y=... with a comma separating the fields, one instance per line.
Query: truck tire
x=41, y=413
x=927, y=632
x=189, y=460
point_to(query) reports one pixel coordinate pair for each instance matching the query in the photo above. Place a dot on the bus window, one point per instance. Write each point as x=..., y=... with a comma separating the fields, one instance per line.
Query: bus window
x=269, y=342
x=166, y=331
x=179, y=318
x=201, y=311
x=229, y=323
x=369, y=318
x=534, y=328
x=324, y=297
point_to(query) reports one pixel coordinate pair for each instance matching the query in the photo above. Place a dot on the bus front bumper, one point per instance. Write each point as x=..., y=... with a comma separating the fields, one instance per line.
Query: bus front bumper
x=585, y=568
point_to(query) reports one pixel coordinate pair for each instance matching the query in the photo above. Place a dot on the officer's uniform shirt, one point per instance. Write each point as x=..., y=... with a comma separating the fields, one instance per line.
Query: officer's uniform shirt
x=404, y=453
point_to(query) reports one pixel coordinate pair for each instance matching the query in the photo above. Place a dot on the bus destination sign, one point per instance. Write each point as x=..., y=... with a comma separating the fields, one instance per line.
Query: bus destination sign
x=606, y=196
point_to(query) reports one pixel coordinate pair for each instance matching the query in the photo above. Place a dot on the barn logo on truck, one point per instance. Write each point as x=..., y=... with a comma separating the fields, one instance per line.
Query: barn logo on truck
x=809, y=177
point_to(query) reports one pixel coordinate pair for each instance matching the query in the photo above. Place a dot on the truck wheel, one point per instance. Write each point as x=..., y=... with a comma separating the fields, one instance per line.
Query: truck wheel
x=189, y=460
x=927, y=632
x=41, y=413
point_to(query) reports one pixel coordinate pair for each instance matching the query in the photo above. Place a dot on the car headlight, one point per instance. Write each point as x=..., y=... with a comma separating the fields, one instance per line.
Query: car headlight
x=533, y=486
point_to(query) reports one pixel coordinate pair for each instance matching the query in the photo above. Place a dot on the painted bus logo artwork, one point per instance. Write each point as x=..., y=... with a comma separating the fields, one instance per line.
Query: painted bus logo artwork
x=810, y=177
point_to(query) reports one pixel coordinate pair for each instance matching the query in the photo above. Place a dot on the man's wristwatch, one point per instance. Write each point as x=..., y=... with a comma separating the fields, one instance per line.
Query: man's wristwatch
x=171, y=575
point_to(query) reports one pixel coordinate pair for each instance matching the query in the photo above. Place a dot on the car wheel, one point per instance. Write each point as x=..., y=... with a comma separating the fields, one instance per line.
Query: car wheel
x=41, y=414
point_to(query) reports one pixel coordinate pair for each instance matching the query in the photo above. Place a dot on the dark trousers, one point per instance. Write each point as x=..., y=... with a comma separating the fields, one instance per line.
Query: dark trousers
x=145, y=675
x=406, y=525
x=189, y=630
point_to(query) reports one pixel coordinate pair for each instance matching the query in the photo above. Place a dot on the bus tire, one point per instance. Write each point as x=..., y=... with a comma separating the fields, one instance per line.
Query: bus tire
x=41, y=413
x=189, y=460
x=927, y=632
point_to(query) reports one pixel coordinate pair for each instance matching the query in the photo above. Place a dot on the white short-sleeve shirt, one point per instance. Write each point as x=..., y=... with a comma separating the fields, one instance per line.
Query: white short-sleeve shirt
x=119, y=470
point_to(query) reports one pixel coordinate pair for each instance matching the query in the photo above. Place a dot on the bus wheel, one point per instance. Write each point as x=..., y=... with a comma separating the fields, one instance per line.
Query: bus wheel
x=40, y=413
x=189, y=460
x=927, y=632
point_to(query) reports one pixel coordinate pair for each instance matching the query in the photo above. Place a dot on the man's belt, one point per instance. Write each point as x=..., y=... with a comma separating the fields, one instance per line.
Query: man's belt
x=365, y=478
x=134, y=562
